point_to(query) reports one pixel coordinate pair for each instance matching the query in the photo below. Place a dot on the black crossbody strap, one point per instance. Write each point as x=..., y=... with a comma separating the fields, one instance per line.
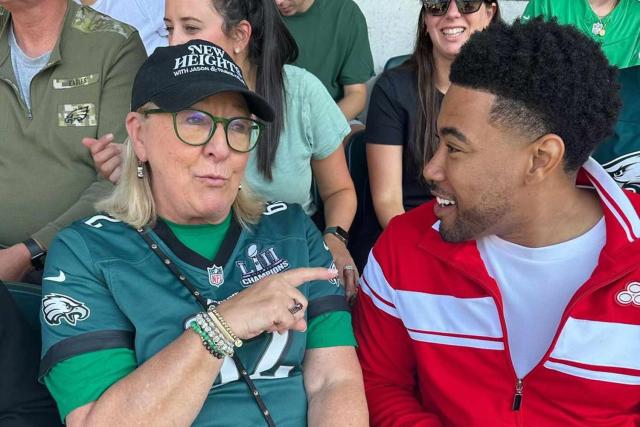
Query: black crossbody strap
x=244, y=374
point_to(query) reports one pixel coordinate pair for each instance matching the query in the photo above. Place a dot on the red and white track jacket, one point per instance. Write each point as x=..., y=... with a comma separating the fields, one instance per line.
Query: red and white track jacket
x=433, y=342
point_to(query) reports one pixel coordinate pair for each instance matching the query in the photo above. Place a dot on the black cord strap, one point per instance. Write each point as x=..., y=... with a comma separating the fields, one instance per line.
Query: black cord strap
x=244, y=374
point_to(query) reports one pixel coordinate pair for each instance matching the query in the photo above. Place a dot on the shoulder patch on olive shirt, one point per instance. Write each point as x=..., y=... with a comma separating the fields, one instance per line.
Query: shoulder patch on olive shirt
x=89, y=21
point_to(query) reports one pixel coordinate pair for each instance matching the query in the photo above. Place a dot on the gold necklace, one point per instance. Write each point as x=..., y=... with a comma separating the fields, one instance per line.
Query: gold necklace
x=599, y=28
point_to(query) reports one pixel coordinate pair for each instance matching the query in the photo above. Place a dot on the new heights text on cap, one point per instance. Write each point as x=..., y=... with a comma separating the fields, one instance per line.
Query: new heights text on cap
x=176, y=77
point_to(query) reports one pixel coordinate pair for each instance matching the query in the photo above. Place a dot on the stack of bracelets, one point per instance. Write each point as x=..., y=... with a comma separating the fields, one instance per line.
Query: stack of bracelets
x=216, y=335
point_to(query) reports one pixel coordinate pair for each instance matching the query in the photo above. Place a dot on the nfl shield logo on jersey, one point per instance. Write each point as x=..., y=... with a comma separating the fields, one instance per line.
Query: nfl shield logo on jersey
x=216, y=275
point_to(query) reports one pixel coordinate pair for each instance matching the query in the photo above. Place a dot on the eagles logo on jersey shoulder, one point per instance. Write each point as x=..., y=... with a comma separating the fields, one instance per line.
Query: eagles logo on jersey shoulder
x=625, y=170
x=58, y=307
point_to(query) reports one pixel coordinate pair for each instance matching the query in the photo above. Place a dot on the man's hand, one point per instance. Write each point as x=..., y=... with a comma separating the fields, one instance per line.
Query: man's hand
x=107, y=156
x=270, y=304
x=347, y=271
x=15, y=262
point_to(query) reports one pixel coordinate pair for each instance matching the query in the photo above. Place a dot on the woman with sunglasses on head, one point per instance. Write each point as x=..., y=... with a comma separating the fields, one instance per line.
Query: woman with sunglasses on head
x=304, y=142
x=404, y=105
x=188, y=301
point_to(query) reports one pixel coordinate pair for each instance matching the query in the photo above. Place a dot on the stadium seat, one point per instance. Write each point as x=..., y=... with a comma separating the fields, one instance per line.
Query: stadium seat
x=28, y=299
x=395, y=61
x=365, y=228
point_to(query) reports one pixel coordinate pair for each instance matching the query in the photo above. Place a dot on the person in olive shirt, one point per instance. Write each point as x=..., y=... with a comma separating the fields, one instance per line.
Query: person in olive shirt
x=615, y=24
x=334, y=45
x=66, y=73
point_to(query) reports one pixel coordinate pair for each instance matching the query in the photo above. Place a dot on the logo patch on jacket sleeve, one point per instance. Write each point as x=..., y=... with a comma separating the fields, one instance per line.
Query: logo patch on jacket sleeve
x=77, y=115
x=631, y=295
x=58, y=307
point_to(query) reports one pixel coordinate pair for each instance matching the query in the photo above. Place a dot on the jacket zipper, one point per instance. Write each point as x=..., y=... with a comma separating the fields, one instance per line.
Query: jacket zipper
x=17, y=91
x=517, y=398
x=48, y=65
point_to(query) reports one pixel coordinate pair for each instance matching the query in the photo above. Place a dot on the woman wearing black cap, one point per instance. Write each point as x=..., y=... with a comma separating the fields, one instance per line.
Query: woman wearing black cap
x=304, y=142
x=190, y=302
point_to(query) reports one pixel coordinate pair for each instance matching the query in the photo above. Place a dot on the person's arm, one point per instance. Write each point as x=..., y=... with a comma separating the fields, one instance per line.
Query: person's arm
x=354, y=100
x=339, y=197
x=107, y=156
x=325, y=128
x=15, y=262
x=114, y=104
x=333, y=382
x=184, y=368
x=385, y=179
x=387, y=124
x=389, y=366
x=357, y=66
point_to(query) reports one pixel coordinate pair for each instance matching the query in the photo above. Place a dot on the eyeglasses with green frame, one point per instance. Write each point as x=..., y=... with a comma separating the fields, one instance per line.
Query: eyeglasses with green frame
x=196, y=127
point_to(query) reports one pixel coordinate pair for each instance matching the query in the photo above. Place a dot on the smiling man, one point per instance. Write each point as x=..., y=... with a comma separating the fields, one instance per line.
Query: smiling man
x=514, y=297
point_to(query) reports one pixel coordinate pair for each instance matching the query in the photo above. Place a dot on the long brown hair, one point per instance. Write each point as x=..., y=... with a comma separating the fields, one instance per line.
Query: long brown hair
x=270, y=48
x=424, y=142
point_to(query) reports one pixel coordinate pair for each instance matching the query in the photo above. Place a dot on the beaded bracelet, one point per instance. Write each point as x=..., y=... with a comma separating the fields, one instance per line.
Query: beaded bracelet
x=211, y=348
x=214, y=334
x=223, y=326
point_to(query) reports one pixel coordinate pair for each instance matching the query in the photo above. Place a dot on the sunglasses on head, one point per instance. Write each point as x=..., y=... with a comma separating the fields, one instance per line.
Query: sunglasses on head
x=440, y=7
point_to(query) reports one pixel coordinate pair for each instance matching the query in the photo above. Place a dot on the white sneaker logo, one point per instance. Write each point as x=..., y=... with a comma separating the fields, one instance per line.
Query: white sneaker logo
x=59, y=278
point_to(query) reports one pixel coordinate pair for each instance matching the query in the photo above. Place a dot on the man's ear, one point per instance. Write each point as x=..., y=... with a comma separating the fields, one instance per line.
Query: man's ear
x=133, y=122
x=241, y=35
x=546, y=157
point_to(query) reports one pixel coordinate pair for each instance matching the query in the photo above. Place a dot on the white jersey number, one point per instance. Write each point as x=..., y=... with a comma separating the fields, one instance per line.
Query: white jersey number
x=269, y=366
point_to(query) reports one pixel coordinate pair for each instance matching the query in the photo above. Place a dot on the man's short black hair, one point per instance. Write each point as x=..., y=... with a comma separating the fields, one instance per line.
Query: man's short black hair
x=547, y=78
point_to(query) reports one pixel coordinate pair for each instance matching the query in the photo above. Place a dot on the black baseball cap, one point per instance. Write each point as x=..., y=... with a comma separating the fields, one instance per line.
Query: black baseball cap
x=176, y=77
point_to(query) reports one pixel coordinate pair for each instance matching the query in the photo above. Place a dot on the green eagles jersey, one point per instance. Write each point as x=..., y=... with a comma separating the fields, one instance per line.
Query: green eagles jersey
x=104, y=288
x=620, y=154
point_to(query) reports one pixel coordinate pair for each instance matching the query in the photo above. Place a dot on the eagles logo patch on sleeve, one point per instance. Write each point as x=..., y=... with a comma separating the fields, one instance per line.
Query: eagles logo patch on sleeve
x=77, y=115
x=58, y=307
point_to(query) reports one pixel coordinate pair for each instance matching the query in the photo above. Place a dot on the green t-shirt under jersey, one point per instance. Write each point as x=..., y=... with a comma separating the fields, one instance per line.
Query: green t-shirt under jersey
x=620, y=38
x=84, y=378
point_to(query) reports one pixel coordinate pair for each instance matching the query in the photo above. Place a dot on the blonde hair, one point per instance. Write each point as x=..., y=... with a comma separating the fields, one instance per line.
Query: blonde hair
x=132, y=200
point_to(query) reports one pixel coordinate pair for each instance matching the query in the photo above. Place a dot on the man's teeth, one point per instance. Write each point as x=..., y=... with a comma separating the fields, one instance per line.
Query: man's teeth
x=452, y=31
x=444, y=202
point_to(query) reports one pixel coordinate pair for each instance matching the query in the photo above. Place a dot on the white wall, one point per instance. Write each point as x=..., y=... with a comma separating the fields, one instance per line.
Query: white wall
x=392, y=25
